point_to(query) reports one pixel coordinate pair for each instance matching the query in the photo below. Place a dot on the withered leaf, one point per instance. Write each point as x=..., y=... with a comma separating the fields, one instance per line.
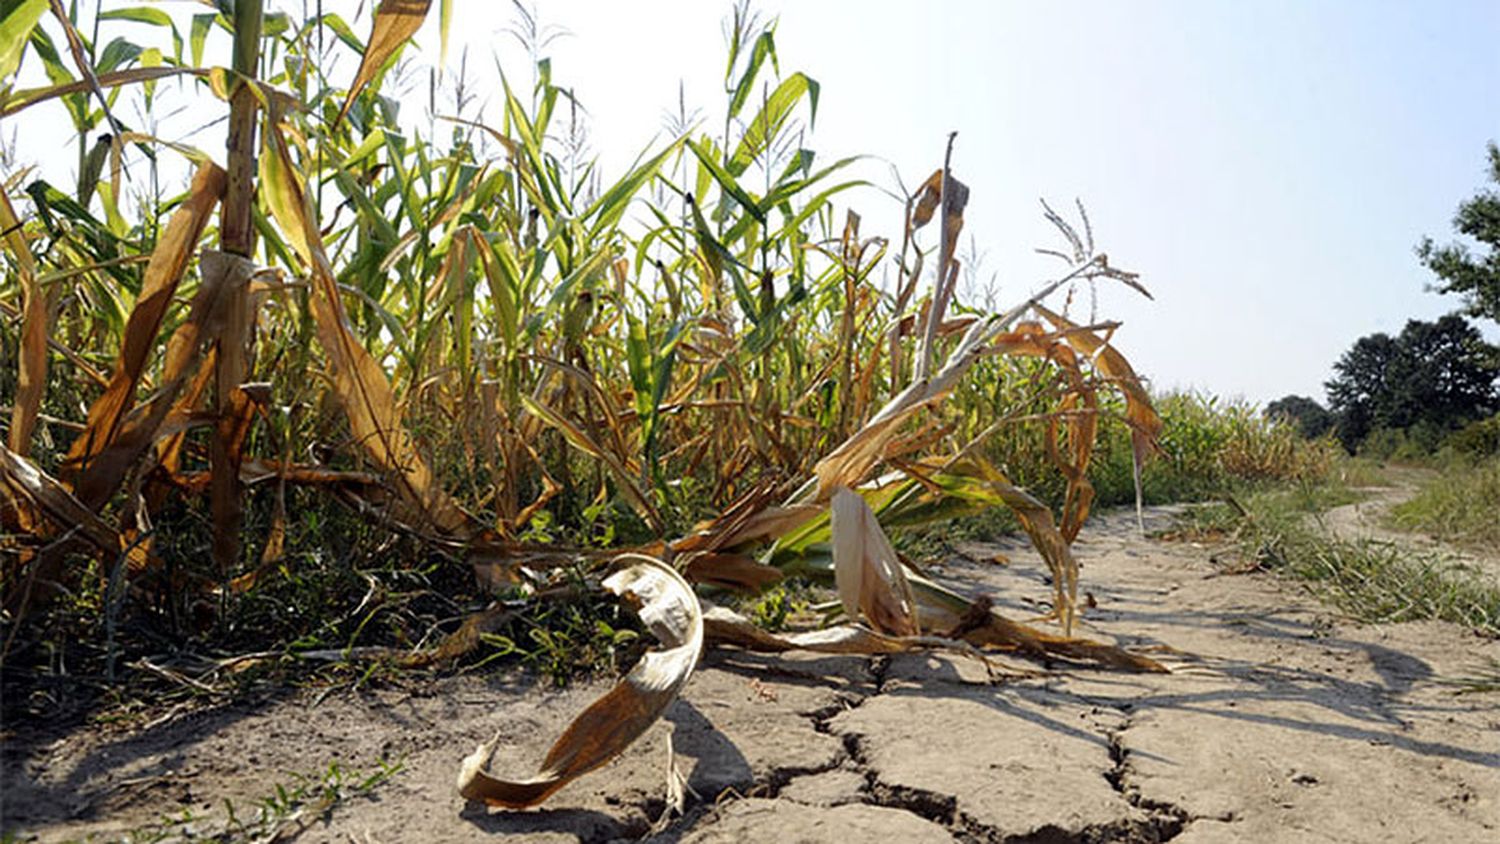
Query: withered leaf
x=670, y=610
x=395, y=21
x=870, y=577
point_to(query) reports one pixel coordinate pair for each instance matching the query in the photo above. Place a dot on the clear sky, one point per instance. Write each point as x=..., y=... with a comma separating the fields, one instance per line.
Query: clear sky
x=1266, y=166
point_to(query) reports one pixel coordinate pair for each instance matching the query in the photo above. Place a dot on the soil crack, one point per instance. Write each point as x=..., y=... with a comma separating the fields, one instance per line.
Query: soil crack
x=1162, y=820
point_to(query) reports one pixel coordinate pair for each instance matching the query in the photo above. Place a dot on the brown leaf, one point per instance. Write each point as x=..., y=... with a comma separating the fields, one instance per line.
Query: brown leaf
x=358, y=379
x=731, y=571
x=927, y=200
x=144, y=425
x=18, y=100
x=747, y=520
x=48, y=498
x=870, y=578
x=163, y=274
x=670, y=610
x=1145, y=424
x=395, y=21
x=725, y=627
x=32, y=360
x=980, y=625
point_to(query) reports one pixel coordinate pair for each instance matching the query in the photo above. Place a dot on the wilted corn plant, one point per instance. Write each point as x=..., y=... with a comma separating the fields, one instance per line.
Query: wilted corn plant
x=489, y=339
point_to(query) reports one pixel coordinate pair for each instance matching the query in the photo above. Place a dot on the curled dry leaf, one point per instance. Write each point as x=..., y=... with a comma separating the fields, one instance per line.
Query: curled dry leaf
x=976, y=481
x=870, y=578
x=37, y=495
x=726, y=627
x=1145, y=424
x=395, y=21
x=730, y=571
x=31, y=499
x=144, y=425
x=746, y=522
x=670, y=610
x=976, y=622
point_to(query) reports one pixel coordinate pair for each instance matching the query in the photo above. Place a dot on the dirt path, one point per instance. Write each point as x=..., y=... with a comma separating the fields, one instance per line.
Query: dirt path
x=1280, y=722
x=1366, y=520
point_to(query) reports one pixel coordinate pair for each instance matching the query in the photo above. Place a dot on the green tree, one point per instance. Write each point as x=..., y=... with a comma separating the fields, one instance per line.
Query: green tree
x=1474, y=277
x=1434, y=375
x=1312, y=419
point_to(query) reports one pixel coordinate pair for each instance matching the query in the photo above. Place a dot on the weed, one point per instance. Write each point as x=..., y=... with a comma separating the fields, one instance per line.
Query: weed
x=286, y=810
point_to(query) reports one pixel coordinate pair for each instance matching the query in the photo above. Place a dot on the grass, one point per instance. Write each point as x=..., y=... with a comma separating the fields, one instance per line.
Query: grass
x=1461, y=505
x=1281, y=531
x=288, y=809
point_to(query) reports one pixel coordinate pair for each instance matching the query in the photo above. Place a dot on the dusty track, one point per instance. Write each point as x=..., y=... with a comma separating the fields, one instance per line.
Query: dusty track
x=1280, y=722
x=1366, y=520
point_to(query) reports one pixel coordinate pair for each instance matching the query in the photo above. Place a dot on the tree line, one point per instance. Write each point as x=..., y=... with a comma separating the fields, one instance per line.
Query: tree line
x=1433, y=379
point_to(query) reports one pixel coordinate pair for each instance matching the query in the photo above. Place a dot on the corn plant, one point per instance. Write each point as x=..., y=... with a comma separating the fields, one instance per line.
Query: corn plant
x=471, y=334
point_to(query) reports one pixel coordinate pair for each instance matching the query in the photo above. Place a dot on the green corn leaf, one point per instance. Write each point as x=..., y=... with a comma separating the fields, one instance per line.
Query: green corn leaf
x=20, y=18
x=767, y=124
x=727, y=181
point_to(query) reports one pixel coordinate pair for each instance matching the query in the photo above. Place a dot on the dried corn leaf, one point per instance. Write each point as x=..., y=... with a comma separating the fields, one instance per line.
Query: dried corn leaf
x=48, y=498
x=870, y=577
x=137, y=432
x=943, y=489
x=670, y=610
x=848, y=464
x=725, y=627
x=360, y=382
x=746, y=521
x=395, y=21
x=927, y=198
x=977, y=623
x=163, y=274
x=32, y=360
x=623, y=473
x=14, y=101
x=730, y=571
x=1145, y=424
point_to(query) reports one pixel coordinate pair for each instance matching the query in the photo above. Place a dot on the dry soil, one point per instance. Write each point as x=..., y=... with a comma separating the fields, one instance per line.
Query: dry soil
x=1281, y=721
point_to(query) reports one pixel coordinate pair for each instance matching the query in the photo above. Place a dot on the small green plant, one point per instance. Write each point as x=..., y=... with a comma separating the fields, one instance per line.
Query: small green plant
x=287, y=810
x=782, y=605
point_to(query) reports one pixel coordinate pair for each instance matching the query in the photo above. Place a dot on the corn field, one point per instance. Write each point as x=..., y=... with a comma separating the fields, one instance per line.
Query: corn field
x=690, y=379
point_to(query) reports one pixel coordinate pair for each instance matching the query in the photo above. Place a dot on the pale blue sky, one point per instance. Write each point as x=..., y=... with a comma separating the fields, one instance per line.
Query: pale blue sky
x=1266, y=166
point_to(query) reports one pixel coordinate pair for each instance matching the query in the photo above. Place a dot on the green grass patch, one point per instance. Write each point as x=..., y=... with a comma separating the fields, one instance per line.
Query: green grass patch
x=1282, y=531
x=1462, y=505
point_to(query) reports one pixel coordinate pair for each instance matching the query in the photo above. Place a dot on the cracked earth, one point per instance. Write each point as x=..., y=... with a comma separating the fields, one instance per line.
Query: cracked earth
x=1280, y=721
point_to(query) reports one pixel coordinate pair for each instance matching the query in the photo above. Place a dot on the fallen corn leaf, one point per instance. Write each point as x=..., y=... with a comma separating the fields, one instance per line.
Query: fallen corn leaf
x=670, y=610
x=871, y=581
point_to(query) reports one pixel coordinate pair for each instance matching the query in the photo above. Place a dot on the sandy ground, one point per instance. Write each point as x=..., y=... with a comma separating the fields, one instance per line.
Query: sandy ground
x=1281, y=721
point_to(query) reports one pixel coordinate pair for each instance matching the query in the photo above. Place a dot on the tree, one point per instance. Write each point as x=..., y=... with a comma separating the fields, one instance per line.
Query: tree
x=1312, y=419
x=1474, y=277
x=1438, y=375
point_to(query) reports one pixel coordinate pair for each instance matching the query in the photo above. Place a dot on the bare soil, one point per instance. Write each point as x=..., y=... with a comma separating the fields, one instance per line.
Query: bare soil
x=1280, y=721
